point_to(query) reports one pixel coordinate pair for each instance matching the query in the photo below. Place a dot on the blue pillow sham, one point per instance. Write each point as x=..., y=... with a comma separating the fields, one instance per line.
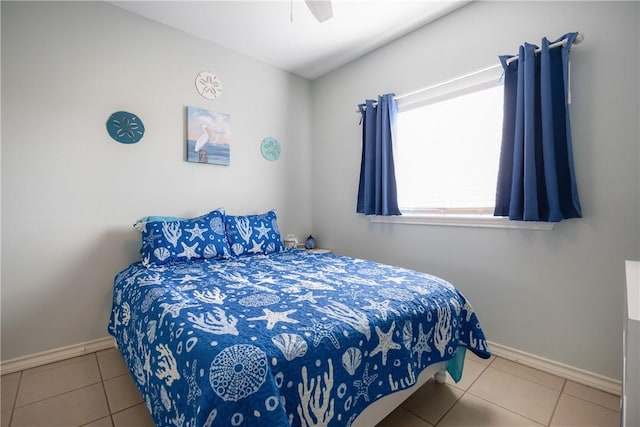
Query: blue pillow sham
x=142, y=222
x=180, y=240
x=253, y=234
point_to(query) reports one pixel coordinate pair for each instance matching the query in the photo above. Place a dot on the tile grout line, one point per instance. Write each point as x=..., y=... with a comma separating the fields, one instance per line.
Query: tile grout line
x=127, y=372
x=562, y=388
x=450, y=408
x=590, y=402
x=416, y=415
x=91, y=422
x=500, y=406
x=40, y=369
x=508, y=410
x=56, y=395
x=106, y=397
x=15, y=399
x=440, y=419
x=104, y=390
x=458, y=399
x=555, y=407
x=111, y=412
x=529, y=379
x=129, y=407
x=485, y=367
x=63, y=393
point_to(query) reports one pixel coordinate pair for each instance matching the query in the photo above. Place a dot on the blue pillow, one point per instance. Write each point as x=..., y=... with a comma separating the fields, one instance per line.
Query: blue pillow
x=184, y=240
x=141, y=223
x=253, y=234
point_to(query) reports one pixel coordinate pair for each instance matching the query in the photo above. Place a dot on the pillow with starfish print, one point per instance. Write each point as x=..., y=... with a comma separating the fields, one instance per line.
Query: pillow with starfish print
x=183, y=240
x=253, y=234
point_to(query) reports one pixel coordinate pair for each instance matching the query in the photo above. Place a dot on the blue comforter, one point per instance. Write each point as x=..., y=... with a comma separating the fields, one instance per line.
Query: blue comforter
x=291, y=338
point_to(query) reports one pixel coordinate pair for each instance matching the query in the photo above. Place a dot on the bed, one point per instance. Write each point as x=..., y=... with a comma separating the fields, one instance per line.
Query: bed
x=280, y=337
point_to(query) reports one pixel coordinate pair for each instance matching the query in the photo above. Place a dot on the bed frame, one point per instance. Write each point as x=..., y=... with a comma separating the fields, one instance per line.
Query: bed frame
x=379, y=409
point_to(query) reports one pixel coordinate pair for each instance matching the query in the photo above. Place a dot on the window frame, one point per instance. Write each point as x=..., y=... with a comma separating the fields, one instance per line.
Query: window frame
x=461, y=220
x=457, y=217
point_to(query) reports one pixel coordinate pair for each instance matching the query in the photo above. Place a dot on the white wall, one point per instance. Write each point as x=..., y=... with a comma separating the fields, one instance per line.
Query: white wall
x=556, y=294
x=70, y=193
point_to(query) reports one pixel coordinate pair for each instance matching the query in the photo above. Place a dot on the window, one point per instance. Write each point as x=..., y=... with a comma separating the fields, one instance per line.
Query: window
x=448, y=150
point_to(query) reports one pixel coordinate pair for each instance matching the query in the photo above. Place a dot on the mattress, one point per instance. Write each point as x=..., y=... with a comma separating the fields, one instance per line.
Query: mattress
x=290, y=338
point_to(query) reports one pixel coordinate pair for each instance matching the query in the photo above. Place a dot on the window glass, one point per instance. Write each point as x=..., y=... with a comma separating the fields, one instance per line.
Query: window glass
x=448, y=150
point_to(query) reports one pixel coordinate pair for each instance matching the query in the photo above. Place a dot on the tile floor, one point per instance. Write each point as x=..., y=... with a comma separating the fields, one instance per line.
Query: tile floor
x=96, y=390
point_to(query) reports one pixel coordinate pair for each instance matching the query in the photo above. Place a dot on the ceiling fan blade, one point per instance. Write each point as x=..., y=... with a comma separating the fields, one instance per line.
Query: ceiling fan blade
x=321, y=9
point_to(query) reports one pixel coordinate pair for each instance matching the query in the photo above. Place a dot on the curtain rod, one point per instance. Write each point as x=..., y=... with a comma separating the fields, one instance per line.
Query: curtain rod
x=579, y=39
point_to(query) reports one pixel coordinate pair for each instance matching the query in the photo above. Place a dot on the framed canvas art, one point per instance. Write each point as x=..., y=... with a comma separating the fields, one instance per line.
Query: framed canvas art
x=208, y=136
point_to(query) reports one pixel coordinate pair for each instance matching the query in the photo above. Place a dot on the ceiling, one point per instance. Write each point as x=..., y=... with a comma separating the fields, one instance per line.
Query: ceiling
x=285, y=34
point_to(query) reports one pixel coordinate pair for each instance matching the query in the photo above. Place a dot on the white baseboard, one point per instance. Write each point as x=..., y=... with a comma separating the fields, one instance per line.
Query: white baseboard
x=577, y=375
x=581, y=376
x=56, y=355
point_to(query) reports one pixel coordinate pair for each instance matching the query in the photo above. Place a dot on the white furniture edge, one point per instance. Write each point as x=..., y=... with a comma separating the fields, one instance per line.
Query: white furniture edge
x=56, y=355
x=581, y=376
x=632, y=271
x=571, y=373
x=629, y=411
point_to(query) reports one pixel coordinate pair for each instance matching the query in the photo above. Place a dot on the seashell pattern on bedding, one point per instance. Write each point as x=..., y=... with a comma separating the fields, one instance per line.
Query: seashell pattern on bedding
x=291, y=345
x=288, y=338
x=351, y=360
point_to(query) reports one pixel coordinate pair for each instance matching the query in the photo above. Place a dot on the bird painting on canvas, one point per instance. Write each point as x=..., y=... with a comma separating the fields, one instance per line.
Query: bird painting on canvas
x=208, y=136
x=201, y=142
x=202, y=139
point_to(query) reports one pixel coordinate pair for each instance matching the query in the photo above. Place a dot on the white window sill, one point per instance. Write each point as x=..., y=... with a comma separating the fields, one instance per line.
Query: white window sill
x=486, y=221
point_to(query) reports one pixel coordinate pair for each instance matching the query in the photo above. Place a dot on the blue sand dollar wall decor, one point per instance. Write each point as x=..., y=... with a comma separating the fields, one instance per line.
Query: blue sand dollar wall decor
x=124, y=127
x=270, y=148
